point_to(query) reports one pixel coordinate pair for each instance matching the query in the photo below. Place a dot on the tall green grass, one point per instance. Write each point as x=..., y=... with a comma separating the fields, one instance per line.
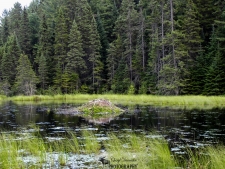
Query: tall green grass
x=140, y=151
x=204, y=102
x=125, y=149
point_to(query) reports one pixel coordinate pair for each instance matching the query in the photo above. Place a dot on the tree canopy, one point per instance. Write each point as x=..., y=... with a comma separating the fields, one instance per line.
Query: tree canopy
x=167, y=47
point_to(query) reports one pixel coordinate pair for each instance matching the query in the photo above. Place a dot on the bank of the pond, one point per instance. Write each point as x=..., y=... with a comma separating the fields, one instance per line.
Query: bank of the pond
x=204, y=102
x=26, y=150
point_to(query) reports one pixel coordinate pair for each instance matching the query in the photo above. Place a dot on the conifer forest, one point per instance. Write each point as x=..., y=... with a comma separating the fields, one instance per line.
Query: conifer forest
x=163, y=47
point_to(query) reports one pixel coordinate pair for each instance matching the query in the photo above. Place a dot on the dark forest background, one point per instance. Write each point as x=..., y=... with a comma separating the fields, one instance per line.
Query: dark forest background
x=166, y=47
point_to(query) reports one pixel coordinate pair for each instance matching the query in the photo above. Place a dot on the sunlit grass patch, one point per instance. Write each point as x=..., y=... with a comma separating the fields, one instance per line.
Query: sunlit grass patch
x=189, y=102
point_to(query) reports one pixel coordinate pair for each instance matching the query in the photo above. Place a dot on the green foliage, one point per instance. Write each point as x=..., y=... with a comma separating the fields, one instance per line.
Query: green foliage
x=75, y=56
x=162, y=47
x=131, y=90
x=26, y=79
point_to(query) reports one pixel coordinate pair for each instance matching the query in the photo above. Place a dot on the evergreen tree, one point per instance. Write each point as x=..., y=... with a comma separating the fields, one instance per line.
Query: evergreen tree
x=115, y=54
x=121, y=82
x=26, y=79
x=10, y=59
x=43, y=56
x=207, y=11
x=188, y=45
x=25, y=34
x=61, y=43
x=15, y=18
x=75, y=57
x=42, y=71
x=95, y=58
x=126, y=27
x=91, y=44
x=5, y=30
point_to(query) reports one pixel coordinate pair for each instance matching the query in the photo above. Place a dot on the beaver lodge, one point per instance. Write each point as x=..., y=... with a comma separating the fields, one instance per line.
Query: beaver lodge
x=97, y=111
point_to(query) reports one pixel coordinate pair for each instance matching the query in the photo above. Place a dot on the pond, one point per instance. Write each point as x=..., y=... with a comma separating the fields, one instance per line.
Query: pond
x=193, y=128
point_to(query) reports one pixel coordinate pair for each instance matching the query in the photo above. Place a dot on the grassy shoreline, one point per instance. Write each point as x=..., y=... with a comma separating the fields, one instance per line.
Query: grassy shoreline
x=204, y=102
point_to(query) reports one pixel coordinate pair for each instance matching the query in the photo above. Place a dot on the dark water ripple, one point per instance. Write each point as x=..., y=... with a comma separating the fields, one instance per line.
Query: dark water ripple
x=192, y=128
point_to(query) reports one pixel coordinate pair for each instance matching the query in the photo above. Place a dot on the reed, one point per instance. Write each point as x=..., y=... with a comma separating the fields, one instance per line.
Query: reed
x=9, y=152
x=141, y=151
x=123, y=149
x=72, y=143
x=216, y=156
x=91, y=145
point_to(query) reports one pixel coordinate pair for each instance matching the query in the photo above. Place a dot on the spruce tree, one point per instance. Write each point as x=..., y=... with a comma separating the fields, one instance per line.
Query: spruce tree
x=42, y=71
x=188, y=45
x=10, y=59
x=24, y=36
x=43, y=58
x=91, y=44
x=115, y=54
x=26, y=79
x=95, y=58
x=61, y=43
x=75, y=56
x=5, y=29
x=126, y=27
x=16, y=17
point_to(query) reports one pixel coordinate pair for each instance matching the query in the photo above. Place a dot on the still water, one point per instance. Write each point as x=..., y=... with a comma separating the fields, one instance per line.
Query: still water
x=193, y=128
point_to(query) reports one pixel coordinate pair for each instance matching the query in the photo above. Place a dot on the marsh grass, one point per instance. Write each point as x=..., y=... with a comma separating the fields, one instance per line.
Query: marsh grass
x=91, y=144
x=62, y=158
x=188, y=102
x=216, y=156
x=126, y=148
x=9, y=152
x=137, y=149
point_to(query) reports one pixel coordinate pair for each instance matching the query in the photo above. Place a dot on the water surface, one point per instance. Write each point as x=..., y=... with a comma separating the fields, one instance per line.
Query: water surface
x=181, y=128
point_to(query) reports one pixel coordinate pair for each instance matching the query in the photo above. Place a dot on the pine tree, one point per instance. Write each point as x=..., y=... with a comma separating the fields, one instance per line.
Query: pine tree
x=206, y=16
x=5, y=30
x=115, y=54
x=43, y=56
x=10, y=59
x=26, y=79
x=121, y=82
x=25, y=34
x=188, y=45
x=15, y=18
x=126, y=27
x=42, y=71
x=91, y=44
x=95, y=58
x=75, y=56
x=61, y=43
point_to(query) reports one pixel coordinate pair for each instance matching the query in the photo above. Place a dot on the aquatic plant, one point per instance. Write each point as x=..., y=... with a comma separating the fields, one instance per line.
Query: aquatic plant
x=141, y=151
x=216, y=156
x=122, y=149
x=90, y=143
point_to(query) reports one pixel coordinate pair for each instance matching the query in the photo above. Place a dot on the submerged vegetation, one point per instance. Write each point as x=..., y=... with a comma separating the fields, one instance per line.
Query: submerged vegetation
x=24, y=150
x=189, y=102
